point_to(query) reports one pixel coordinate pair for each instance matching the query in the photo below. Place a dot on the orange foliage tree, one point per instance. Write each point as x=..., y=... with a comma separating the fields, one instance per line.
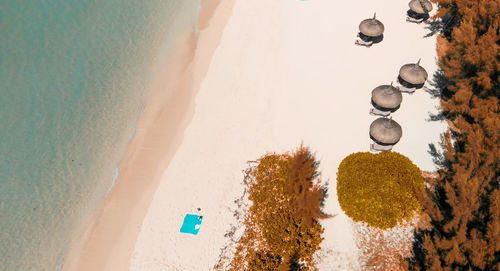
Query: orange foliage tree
x=282, y=231
x=463, y=202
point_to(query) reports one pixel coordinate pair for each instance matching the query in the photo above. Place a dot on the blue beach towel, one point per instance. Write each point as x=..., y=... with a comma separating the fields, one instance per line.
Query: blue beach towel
x=191, y=224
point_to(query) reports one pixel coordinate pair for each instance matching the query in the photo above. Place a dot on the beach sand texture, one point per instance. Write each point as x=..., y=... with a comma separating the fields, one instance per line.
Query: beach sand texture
x=108, y=240
x=285, y=72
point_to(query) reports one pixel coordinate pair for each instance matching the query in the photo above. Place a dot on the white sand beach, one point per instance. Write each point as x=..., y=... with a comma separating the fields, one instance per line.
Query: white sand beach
x=108, y=239
x=262, y=76
x=284, y=72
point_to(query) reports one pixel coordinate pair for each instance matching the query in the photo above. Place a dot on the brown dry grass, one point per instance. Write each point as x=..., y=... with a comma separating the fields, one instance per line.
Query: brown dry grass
x=384, y=249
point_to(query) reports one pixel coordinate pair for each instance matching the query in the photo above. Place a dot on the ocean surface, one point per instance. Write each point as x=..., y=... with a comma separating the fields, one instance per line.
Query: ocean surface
x=74, y=79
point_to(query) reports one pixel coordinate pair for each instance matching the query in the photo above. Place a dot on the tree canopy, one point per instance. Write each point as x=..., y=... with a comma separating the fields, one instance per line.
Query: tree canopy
x=379, y=189
x=463, y=201
x=282, y=230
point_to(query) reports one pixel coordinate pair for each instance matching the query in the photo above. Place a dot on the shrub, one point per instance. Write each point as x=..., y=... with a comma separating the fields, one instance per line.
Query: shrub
x=282, y=231
x=379, y=189
x=384, y=249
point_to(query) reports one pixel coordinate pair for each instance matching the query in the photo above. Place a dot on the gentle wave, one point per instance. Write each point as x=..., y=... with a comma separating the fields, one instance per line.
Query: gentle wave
x=74, y=82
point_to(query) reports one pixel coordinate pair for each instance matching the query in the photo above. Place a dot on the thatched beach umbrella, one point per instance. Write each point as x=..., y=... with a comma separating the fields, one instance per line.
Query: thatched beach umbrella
x=419, y=11
x=386, y=98
x=420, y=6
x=385, y=131
x=371, y=27
x=412, y=75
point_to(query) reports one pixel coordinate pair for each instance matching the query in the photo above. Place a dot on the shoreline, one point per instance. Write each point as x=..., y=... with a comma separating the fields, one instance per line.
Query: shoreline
x=108, y=240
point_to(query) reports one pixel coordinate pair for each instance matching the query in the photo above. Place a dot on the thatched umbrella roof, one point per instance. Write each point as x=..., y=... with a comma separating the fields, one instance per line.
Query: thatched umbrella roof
x=386, y=131
x=371, y=27
x=387, y=96
x=420, y=6
x=413, y=73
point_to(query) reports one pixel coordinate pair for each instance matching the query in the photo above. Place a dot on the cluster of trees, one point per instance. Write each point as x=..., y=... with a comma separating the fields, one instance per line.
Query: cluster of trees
x=379, y=189
x=463, y=202
x=282, y=230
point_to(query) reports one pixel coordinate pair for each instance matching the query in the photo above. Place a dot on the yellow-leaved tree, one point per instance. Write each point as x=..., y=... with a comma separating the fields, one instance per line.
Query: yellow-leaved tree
x=379, y=189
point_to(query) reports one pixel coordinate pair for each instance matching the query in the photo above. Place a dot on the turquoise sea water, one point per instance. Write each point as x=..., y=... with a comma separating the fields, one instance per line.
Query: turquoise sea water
x=73, y=82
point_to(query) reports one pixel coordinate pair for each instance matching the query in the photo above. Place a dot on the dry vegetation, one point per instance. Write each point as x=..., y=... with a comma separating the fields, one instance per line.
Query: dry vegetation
x=379, y=189
x=384, y=249
x=282, y=231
